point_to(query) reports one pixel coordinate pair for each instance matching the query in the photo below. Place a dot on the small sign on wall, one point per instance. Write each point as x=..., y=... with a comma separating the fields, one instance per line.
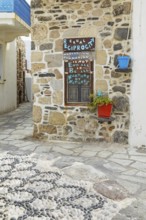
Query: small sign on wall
x=79, y=44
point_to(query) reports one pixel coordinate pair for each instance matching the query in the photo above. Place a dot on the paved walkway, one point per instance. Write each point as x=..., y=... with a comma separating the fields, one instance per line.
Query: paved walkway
x=58, y=180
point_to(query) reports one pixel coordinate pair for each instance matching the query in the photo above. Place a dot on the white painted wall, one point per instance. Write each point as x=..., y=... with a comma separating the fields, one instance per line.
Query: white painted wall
x=1, y=61
x=27, y=42
x=28, y=1
x=28, y=87
x=137, y=132
x=8, y=89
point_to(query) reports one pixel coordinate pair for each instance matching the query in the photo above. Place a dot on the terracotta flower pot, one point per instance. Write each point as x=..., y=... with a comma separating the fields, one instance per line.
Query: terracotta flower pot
x=104, y=111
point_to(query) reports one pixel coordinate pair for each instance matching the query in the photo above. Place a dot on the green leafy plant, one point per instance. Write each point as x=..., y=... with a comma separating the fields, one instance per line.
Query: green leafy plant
x=98, y=100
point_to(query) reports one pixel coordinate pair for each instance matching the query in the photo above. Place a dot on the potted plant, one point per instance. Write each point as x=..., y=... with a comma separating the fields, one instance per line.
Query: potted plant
x=103, y=104
x=123, y=61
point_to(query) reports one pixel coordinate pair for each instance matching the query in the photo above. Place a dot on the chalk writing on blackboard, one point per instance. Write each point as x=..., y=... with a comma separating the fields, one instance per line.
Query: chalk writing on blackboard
x=79, y=44
x=90, y=55
x=78, y=66
x=79, y=79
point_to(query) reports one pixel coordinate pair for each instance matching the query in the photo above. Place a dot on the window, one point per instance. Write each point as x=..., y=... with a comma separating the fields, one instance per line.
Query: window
x=1, y=62
x=78, y=81
x=78, y=66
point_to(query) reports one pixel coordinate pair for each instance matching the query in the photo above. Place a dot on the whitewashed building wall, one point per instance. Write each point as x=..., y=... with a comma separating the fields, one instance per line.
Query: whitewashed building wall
x=137, y=131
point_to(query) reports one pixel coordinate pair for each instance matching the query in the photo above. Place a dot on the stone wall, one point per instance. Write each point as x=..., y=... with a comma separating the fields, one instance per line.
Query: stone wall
x=21, y=69
x=109, y=21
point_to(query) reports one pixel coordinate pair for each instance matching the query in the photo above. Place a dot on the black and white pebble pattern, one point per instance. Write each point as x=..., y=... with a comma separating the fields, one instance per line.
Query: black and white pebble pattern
x=32, y=193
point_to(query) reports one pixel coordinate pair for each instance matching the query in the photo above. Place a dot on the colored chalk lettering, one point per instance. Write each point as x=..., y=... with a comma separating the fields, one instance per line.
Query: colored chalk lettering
x=79, y=44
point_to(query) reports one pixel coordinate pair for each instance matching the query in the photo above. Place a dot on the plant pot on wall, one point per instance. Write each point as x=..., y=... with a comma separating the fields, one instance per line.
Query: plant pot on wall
x=103, y=105
x=104, y=111
x=123, y=62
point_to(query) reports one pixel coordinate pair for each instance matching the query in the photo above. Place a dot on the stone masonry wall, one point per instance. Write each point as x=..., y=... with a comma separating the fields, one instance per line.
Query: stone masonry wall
x=109, y=21
x=21, y=69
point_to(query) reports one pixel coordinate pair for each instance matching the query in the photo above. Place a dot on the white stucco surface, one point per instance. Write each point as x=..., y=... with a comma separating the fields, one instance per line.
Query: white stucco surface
x=137, y=132
x=27, y=41
x=9, y=87
x=28, y=1
x=28, y=87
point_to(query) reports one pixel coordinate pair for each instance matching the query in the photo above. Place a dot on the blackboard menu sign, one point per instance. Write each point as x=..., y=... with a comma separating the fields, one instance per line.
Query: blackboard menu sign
x=78, y=66
x=79, y=79
x=79, y=44
x=90, y=55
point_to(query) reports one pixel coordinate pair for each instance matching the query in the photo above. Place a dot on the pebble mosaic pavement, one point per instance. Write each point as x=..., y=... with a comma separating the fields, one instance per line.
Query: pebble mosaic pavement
x=34, y=192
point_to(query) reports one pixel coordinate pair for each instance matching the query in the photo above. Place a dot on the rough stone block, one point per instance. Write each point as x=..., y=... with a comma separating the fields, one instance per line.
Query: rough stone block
x=54, y=34
x=56, y=84
x=47, y=92
x=58, y=74
x=59, y=45
x=101, y=85
x=107, y=43
x=99, y=72
x=46, y=74
x=71, y=32
x=42, y=80
x=101, y=57
x=36, y=3
x=115, y=74
x=36, y=67
x=35, y=129
x=32, y=45
x=36, y=56
x=127, y=7
x=120, y=137
x=88, y=7
x=44, y=18
x=91, y=126
x=46, y=46
x=37, y=114
x=61, y=17
x=121, y=103
x=54, y=60
x=44, y=100
x=35, y=88
x=119, y=89
x=71, y=118
x=106, y=4
x=97, y=12
x=117, y=47
x=50, y=129
x=75, y=6
x=122, y=34
x=81, y=123
x=57, y=98
x=39, y=32
x=88, y=31
x=67, y=129
x=118, y=10
x=57, y=118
